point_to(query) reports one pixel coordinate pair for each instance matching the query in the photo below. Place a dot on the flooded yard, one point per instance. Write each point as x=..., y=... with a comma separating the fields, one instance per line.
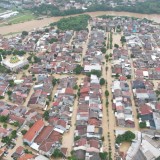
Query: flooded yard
x=124, y=147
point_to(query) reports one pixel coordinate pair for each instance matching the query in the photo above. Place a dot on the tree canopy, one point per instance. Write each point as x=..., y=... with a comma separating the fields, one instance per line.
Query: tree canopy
x=128, y=136
x=78, y=69
x=102, y=81
x=142, y=125
x=74, y=23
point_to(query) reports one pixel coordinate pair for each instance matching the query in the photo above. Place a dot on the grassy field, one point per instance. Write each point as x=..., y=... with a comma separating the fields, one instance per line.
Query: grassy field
x=21, y=17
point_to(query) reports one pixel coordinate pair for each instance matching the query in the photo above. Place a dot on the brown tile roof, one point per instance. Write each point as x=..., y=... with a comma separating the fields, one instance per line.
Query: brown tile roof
x=26, y=157
x=33, y=130
x=19, y=150
x=145, y=109
x=20, y=120
x=94, y=143
x=43, y=134
x=46, y=145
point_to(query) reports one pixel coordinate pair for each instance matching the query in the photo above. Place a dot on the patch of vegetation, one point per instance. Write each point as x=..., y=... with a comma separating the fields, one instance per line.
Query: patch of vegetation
x=3, y=69
x=75, y=87
x=95, y=72
x=54, y=81
x=36, y=59
x=26, y=67
x=142, y=125
x=128, y=136
x=53, y=40
x=158, y=158
x=103, y=50
x=77, y=138
x=103, y=155
x=27, y=151
x=16, y=124
x=23, y=132
x=102, y=81
x=46, y=115
x=57, y=154
x=78, y=69
x=123, y=40
x=23, y=16
x=74, y=23
x=4, y=119
x=116, y=45
x=106, y=93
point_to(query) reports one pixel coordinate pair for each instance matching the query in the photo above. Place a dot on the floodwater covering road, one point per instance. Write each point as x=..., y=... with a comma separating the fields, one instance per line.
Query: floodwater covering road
x=33, y=24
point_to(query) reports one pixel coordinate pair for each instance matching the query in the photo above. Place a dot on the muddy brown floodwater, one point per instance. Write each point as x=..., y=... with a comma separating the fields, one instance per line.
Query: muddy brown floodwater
x=30, y=25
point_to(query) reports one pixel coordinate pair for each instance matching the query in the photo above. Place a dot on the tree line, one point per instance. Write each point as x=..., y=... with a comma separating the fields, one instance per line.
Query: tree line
x=149, y=7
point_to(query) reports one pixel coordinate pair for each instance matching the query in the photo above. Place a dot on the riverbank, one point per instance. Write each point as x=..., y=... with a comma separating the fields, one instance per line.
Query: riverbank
x=33, y=24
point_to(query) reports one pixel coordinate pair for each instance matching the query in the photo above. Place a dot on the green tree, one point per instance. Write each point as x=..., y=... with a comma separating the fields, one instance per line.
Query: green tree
x=53, y=40
x=158, y=158
x=24, y=33
x=102, y=81
x=103, y=50
x=36, y=59
x=11, y=83
x=9, y=93
x=142, y=125
x=78, y=69
x=4, y=119
x=106, y=93
x=76, y=23
x=26, y=67
x=16, y=124
x=123, y=39
x=75, y=87
x=128, y=76
x=77, y=138
x=96, y=72
x=1, y=97
x=46, y=115
x=4, y=125
x=13, y=134
x=103, y=155
x=128, y=136
x=54, y=81
x=116, y=45
x=23, y=132
x=27, y=151
x=6, y=140
x=57, y=154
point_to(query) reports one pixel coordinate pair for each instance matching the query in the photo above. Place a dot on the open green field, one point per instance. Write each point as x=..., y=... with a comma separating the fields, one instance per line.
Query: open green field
x=21, y=17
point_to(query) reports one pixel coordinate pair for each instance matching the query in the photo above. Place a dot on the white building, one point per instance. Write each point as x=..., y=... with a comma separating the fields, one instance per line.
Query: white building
x=15, y=66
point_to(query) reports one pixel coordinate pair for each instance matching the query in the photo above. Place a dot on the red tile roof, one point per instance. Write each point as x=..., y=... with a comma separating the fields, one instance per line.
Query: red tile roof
x=30, y=135
x=81, y=142
x=143, y=110
x=94, y=121
x=26, y=157
x=18, y=119
x=84, y=90
x=43, y=134
x=62, y=123
x=158, y=106
x=94, y=143
x=69, y=91
x=19, y=150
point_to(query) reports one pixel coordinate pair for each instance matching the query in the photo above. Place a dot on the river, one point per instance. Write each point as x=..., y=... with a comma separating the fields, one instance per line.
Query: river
x=30, y=25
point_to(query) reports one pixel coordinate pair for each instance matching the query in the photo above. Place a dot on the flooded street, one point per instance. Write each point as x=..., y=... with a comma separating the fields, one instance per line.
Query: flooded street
x=124, y=147
x=30, y=25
